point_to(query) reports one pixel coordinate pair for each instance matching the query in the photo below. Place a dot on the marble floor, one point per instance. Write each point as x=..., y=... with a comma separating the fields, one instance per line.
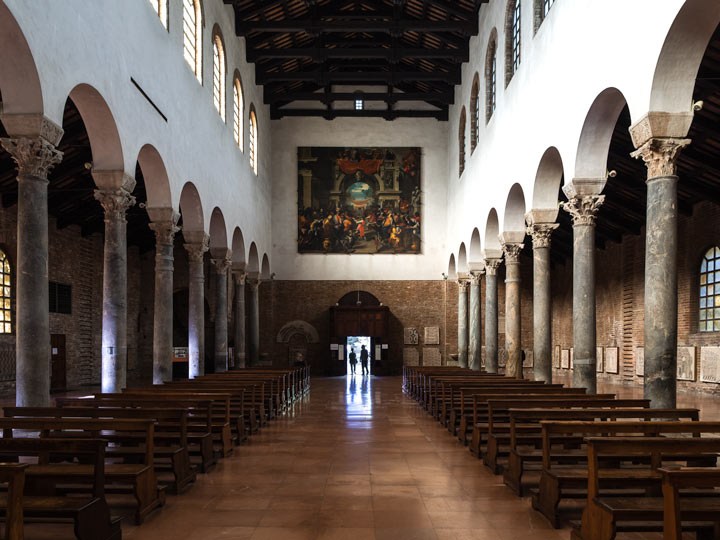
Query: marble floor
x=355, y=460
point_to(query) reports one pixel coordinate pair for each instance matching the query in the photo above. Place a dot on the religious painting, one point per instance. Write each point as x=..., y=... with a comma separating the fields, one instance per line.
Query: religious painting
x=359, y=200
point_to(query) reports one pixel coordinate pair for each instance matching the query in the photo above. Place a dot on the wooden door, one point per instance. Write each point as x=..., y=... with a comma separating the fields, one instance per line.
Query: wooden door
x=57, y=362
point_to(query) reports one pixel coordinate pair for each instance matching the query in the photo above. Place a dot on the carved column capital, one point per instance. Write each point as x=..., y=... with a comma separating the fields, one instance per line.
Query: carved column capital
x=240, y=276
x=196, y=250
x=584, y=209
x=660, y=155
x=34, y=156
x=164, y=231
x=475, y=278
x=512, y=252
x=222, y=265
x=541, y=233
x=253, y=283
x=115, y=202
x=492, y=265
x=463, y=284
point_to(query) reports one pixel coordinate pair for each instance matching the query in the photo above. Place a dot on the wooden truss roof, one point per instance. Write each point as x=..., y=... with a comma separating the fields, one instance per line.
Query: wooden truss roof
x=412, y=50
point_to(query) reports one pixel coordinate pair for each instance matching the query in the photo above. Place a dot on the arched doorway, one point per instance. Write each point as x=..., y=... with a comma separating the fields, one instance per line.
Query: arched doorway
x=358, y=314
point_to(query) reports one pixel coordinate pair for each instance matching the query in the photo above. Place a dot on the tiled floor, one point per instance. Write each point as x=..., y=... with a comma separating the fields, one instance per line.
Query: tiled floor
x=356, y=460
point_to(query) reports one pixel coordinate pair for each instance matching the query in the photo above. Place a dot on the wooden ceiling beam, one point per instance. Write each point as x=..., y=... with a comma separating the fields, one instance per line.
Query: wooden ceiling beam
x=398, y=27
x=276, y=113
x=447, y=98
x=361, y=77
x=390, y=54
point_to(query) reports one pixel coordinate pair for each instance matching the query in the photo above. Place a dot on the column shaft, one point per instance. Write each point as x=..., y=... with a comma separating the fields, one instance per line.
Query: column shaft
x=163, y=303
x=462, y=323
x=239, y=328
x=221, y=328
x=474, y=348
x=196, y=308
x=513, y=348
x=491, y=315
x=254, y=322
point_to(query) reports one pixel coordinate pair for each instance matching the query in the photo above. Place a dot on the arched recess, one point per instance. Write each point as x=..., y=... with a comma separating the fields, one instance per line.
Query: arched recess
x=548, y=179
x=191, y=208
x=452, y=268
x=475, y=113
x=19, y=79
x=492, y=231
x=238, y=247
x=681, y=54
x=491, y=75
x=461, y=141
x=156, y=178
x=218, y=231
x=597, y=130
x=462, y=263
x=101, y=128
x=514, y=216
x=303, y=328
x=253, y=265
x=265, y=267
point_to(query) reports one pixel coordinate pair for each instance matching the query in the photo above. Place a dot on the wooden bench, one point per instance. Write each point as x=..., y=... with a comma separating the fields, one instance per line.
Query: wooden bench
x=678, y=508
x=13, y=475
x=605, y=516
x=140, y=477
x=90, y=514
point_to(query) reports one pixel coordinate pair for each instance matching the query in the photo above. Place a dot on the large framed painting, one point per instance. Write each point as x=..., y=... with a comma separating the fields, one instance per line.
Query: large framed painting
x=359, y=200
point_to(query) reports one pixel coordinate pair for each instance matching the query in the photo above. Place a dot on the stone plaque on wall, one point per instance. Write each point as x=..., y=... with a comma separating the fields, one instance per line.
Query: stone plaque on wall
x=431, y=356
x=710, y=364
x=411, y=336
x=432, y=335
x=640, y=361
x=686, y=362
x=556, y=357
x=411, y=357
x=599, y=357
x=565, y=359
x=611, y=360
x=528, y=362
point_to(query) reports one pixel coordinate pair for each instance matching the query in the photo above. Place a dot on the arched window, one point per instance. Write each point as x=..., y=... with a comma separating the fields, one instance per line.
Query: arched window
x=461, y=142
x=710, y=291
x=253, y=140
x=475, y=114
x=192, y=36
x=219, y=74
x=160, y=7
x=491, y=77
x=238, y=113
x=512, y=40
x=542, y=7
x=5, y=295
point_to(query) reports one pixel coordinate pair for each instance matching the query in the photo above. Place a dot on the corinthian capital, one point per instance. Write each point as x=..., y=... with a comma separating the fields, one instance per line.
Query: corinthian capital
x=492, y=265
x=34, y=156
x=660, y=155
x=221, y=265
x=115, y=202
x=475, y=278
x=541, y=233
x=196, y=250
x=253, y=283
x=463, y=284
x=512, y=252
x=240, y=276
x=164, y=231
x=583, y=209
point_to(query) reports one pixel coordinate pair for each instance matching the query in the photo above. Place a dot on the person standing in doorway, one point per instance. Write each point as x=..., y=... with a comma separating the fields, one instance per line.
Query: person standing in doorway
x=353, y=361
x=364, y=360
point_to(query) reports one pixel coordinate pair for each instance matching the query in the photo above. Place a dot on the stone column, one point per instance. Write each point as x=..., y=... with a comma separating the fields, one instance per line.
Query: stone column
x=34, y=156
x=491, y=314
x=163, y=307
x=115, y=202
x=660, y=156
x=221, y=262
x=583, y=209
x=513, y=346
x=462, y=323
x=254, y=321
x=475, y=345
x=196, y=303
x=542, y=303
x=239, y=276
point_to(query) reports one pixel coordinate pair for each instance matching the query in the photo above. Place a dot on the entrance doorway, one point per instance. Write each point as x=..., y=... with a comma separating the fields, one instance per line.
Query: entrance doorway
x=356, y=343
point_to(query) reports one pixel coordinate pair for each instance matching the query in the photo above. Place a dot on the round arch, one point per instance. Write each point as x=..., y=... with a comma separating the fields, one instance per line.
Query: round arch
x=218, y=230
x=253, y=265
x=191, y=208
x=452, y=269
x=548, y=179
x=475, y=254
x=265, y=267
x=514, y=215
x=462, y=262
x=238, y=247
x=492, y=231
x=157, y=183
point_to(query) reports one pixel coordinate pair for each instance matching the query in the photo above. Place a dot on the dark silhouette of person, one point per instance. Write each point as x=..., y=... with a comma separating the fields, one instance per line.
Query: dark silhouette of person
x=353, y=361
x=364, y=360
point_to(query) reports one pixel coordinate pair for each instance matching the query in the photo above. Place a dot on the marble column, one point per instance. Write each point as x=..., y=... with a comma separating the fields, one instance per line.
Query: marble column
x=115, y=202
x=254, y=321
x=196, y=305
x=239, y=276
x=583, y=209
x=491, y=314
x=475, y=344
x=542, y=302
x=463, y=322
x=661, y=245
x=513, y=346
x=34, y=157
x=221, y=265
x=163, y=304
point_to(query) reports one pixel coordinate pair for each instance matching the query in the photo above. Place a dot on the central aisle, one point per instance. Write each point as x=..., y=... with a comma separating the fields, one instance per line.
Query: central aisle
x=357, y=460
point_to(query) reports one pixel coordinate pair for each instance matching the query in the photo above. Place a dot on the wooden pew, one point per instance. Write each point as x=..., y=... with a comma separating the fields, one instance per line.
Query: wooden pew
x=13, y=474
x=678, y=508
x=170, y=455
x=527, y=438
x=139, y=477
x=604, y=516
x=90, y=514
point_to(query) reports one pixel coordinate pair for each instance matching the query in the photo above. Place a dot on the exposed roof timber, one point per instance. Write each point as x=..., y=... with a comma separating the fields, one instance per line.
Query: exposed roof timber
x=329, y=114
x=359, y=77
x=318, y=54
x=447, y=98
x=396, y=27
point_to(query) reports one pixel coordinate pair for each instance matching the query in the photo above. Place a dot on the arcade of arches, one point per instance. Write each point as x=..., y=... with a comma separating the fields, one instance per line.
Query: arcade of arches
x=156, y=189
